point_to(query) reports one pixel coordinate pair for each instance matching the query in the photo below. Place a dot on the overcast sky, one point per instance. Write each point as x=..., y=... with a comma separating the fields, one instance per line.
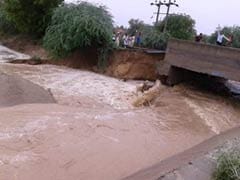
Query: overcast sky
x=207, y=13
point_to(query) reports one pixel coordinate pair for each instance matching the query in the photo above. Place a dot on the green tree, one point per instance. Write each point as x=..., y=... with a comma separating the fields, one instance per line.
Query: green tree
x=179, y=26
x=228, y=31
x=151, y=37
x=30, y=16
x=155, y=40
x=135, y=25
x=79, y=26
x=6, y=26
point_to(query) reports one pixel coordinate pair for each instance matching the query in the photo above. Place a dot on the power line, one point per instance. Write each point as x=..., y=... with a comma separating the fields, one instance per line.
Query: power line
x=169, y=4
x=159, y=3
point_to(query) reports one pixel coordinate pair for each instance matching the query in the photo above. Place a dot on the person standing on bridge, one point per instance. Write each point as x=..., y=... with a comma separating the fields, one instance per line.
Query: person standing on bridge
x=220, y=38
x=138, y=40
x=199, y=38
x=230, y=42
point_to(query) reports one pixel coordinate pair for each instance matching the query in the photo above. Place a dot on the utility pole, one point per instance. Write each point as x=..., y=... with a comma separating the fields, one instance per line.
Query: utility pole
x=157, y=3
x=169, y=4
x=158, y=12
x=166, y=18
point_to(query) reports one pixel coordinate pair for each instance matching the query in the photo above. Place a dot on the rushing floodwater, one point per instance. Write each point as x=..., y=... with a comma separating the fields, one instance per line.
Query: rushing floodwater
x=95, y=133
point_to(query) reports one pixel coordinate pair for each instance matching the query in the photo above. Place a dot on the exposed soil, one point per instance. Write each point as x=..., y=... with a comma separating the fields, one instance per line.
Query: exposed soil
x=25, y=45
x=84, y=59
x=134, y=64
x=122, y=63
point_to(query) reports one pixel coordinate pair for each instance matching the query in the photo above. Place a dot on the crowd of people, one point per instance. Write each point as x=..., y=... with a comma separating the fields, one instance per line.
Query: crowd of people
x=127, y=41
x=220, y=38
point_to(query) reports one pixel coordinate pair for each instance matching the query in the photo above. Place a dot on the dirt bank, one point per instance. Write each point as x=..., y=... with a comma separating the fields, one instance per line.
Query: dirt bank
x=122, y=63
x=125, y=64
x=25, y=45
x=134, y=64
x=15, y=90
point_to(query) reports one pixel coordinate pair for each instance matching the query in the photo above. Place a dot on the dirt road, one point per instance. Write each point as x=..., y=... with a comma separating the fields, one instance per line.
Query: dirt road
x=93, y=132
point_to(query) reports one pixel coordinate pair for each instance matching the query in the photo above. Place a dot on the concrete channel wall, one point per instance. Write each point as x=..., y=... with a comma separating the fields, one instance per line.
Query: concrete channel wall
x=217, y=61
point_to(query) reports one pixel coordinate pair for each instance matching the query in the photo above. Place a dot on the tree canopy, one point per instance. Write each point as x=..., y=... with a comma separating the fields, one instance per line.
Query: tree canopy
x=77, y=26
x=6, y=26
x=179, y=26
x=30, y=16
x=135, y=25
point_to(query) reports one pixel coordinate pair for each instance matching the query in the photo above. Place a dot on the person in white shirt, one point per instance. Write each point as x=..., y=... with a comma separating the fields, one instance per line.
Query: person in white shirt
x=117, y=40
x=131, y=41
x=125, y=40
x=220, y=38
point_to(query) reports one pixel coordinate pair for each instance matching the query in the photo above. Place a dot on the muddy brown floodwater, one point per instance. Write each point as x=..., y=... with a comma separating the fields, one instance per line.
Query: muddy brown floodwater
x=94, y=133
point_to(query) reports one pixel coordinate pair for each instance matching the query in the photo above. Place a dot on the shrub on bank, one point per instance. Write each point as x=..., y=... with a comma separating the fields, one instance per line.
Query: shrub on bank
x=155, y=40
x=79, y=26
x=228, y=167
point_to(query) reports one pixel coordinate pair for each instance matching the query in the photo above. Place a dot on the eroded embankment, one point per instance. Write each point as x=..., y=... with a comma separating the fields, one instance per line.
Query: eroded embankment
x=134, y=64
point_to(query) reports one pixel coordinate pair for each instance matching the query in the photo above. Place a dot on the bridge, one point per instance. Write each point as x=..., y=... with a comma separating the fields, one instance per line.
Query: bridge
x=184, y=58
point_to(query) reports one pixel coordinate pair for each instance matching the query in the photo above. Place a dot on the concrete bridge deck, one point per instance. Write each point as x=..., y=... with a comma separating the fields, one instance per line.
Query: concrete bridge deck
x=183, y=56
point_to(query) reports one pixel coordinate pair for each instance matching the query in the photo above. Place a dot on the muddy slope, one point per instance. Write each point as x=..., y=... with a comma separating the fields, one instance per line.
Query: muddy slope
x=15, y=90
x=134, y=64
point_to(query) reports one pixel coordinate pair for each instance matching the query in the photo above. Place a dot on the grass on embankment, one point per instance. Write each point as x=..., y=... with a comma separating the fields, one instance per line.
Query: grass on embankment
x=228, y=167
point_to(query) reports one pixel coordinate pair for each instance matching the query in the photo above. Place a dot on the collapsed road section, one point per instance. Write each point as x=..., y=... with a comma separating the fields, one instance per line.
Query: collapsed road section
x=184, y=58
